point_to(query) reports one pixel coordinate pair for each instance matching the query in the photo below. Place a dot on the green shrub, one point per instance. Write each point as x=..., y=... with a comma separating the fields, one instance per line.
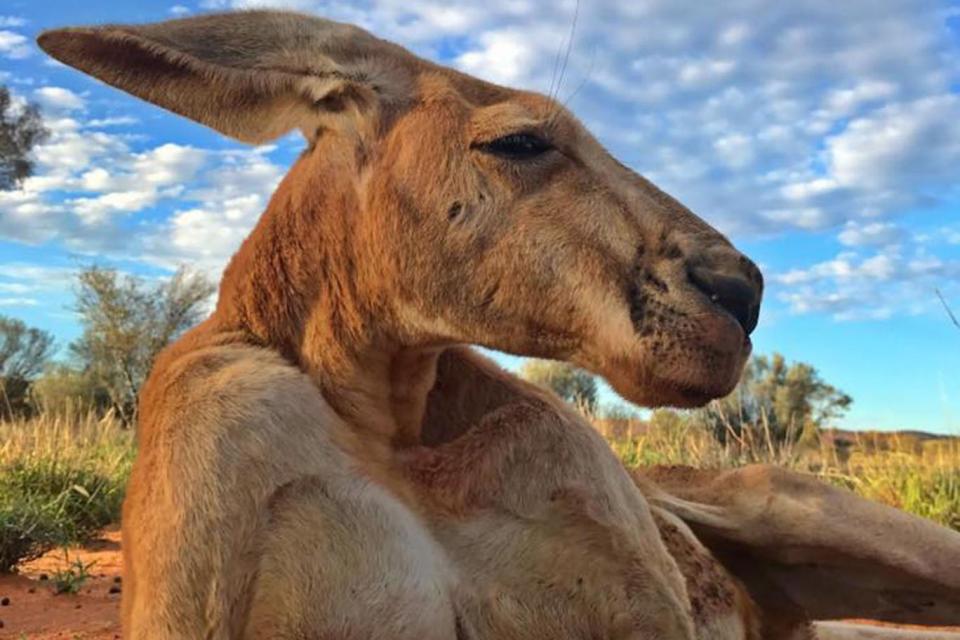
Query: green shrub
x=49, y=503
x=923, y=480
x=61, y=480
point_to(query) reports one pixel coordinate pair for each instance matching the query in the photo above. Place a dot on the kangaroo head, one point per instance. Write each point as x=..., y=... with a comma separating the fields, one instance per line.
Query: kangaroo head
x=443, y=209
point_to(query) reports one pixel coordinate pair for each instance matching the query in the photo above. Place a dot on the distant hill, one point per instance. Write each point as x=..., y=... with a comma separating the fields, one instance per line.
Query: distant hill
x=842, y=439
x=905, y=440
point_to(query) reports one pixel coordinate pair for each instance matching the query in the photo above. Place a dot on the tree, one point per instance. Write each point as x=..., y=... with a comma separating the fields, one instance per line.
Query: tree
x=21, y=129
x=127, y=322
x=65, y=390
x=23, y=353
x=775, y=402
x=573, y=385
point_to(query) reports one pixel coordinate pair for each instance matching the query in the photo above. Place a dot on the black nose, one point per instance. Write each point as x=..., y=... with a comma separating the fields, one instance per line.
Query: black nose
x=738, y=294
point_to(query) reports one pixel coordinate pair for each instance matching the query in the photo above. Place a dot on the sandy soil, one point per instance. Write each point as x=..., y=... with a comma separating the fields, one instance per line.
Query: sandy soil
x=34, y=611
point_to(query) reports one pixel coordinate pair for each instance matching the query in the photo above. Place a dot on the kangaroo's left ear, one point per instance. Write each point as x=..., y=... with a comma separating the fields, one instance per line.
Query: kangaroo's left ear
x=824, y=553
x=251, y=75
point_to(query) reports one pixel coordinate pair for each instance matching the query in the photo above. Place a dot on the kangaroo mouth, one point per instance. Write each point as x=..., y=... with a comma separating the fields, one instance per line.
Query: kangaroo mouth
x=688, y=349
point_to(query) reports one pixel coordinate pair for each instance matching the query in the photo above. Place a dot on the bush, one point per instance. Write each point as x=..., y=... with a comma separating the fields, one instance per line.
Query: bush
x=61, y=480
x=888, y=469
x=46, y=504
x=576, y=386
x=62, y=390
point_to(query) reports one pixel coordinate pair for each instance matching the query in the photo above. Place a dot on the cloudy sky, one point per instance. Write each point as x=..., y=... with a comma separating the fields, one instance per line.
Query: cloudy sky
x=823, y=136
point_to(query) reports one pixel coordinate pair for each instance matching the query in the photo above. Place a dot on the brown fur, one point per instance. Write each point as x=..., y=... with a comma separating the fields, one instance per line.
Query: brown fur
x=319, y=459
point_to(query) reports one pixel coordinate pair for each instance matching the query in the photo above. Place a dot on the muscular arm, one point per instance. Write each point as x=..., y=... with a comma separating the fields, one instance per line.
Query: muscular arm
x=223, y=428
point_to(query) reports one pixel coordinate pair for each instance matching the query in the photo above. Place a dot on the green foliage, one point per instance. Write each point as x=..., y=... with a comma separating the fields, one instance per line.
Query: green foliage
x=776, y=415
x=926, y=484
x=23, y=350
x=21, y=129
x=775, y=402
x=23, y=353
x=127, y=322
x=62, y=389
x=576, y=386
x=887, y=468
x=73, y=577
x=61, y=481
x=44, y=504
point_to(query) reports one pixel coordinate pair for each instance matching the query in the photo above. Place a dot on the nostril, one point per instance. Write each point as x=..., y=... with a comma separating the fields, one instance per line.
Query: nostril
x=733, y=293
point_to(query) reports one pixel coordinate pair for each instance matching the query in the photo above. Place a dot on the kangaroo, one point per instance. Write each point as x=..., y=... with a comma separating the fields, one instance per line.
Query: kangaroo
x=324, y=458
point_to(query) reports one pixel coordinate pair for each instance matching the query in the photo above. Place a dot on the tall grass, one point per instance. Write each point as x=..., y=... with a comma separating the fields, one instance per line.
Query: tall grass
x=61, y=480
x=919, y=477
x=62, y=475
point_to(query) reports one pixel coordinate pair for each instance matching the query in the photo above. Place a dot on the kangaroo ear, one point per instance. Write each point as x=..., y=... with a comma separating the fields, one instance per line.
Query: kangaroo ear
x=816, y=551
x=250, y=75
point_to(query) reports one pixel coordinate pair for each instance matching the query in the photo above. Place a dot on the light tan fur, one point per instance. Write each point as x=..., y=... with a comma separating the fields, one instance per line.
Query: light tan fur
x=321, y=459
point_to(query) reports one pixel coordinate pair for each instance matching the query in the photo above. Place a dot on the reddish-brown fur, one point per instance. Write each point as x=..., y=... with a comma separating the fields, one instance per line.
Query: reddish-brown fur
x=321, y=458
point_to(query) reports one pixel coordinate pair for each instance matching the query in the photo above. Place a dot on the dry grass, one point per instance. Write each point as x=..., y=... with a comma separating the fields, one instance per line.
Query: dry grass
x=919, y=477
x=61, y=479
x=62, y=475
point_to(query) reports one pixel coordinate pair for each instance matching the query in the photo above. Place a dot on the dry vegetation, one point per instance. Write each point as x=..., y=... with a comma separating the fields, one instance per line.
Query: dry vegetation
x=910, y=471
x=62, y=477
x=62, y=474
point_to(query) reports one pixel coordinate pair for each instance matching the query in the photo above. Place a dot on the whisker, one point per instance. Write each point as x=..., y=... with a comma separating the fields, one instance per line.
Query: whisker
x=566, y=57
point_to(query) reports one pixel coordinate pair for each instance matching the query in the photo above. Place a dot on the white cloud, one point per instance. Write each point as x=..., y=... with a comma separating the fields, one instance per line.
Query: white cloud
x=504, y=56
x=699, y=73
x=12, y=21
x=13, y=287
x=85, y=177
x=227, y=206
x=822, y=116
x=743, y=93
x=18, y=302
x=906, y=145
x=14, y=45
x=799, y=191
x=841, y=102
x=31, y=281
x=58, y=99
x=736, y=150
x=179, y=10
x=856, y=234
x=114, y=121
x=853, y=286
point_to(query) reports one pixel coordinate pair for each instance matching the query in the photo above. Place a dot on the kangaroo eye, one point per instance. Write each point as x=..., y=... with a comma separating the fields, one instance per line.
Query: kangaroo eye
x=516, y=146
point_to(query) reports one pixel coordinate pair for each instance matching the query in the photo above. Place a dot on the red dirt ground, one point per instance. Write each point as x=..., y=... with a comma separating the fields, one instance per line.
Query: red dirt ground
x=35, y=612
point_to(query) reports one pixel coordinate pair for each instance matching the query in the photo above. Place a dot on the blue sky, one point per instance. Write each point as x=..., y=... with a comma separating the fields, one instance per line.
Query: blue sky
x=822, y=136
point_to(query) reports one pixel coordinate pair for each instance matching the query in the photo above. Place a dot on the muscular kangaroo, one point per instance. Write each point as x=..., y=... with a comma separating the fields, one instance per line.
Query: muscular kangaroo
x=304, y=471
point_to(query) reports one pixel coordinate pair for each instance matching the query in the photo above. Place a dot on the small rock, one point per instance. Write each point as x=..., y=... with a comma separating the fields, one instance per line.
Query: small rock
x=32, y=590
x=4, y=601
x=78, y=606
x=118, y=579
x=115, y=589
x=1, y=624
x=44, y=576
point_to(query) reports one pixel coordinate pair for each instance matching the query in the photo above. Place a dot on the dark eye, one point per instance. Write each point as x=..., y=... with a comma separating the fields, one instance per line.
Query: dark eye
x=516, y=146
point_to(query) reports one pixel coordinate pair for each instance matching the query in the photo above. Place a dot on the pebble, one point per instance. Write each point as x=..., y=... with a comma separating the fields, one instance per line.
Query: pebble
x=4, y=601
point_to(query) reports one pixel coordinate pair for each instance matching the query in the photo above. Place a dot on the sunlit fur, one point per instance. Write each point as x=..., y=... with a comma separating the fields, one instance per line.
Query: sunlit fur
x=321, y=459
